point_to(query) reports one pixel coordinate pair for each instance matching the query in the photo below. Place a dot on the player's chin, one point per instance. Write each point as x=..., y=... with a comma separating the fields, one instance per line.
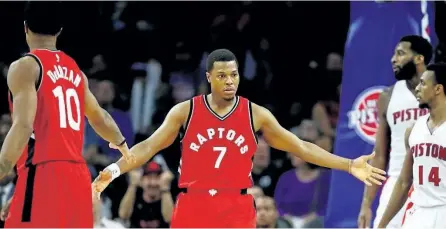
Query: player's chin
x=229, y=96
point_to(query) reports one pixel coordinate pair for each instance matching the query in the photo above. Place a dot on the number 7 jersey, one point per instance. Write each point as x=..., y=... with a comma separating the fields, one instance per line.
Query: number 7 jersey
x=217, y=150
x=59, y=121
x=429, y=163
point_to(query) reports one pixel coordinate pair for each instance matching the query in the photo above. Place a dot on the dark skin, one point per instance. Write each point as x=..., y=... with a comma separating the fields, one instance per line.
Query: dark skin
x=22, y=77
x=402, y=56
x=224, y=80
x=430, y=94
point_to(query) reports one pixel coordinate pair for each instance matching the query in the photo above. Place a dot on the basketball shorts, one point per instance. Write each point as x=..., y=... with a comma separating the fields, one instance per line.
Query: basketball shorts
x=384, y=200
x=52, y=194
x=214, y=209
x=425, y=217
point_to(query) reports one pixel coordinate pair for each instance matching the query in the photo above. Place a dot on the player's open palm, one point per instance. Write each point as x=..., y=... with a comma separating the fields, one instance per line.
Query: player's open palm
x=125, y=151
x=365, y=172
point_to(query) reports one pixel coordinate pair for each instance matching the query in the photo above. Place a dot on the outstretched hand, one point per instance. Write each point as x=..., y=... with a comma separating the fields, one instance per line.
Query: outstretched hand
x=365, y=172
x=125, y=151
x=100, y=183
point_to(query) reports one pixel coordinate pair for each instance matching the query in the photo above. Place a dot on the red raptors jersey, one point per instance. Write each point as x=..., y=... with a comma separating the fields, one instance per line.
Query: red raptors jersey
x=217, y=151
x=59, y=122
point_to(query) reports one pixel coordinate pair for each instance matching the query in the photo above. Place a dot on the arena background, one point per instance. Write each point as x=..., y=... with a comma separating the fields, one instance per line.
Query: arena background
x=144, y=57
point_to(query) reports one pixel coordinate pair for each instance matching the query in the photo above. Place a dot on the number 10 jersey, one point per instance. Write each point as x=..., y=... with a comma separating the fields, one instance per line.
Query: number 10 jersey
x=59, y=121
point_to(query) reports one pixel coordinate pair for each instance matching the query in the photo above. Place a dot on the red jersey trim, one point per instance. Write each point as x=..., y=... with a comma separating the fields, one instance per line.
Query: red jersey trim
x=218, y=116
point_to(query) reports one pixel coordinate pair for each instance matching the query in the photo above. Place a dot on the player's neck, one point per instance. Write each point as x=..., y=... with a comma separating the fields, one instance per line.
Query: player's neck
x=43, y=42
x=438, y=113
x=219, y=102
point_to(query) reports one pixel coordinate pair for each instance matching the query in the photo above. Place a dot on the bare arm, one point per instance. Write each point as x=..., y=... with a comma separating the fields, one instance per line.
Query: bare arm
x=381, y=147
x=402, y=186
x=280, y=138
x=22, y=77
x=163, y=137
x=127, y=203
x=101, y=121
x=320, y=115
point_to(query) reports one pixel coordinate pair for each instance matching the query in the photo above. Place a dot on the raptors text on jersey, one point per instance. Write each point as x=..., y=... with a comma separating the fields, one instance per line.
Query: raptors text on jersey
x=217, y=150
x=428, y=150
x=59, y=121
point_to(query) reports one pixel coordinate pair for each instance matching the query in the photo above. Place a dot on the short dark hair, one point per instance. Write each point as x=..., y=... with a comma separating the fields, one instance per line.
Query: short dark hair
x=420, y=46
x=219, y=55
x=44, y=17
x=439, y=70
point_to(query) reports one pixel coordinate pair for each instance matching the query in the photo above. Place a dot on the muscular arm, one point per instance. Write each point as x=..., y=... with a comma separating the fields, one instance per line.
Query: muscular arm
x=101, y=121
x=22, y=77
x=280, y=138
x=381, y=147
x=163, y=137
x=402, y=186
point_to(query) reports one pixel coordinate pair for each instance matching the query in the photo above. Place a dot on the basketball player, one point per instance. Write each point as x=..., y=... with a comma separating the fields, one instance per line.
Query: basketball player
x=397, y=109
x=50, y=96
x=218, y=144
x=425, y=162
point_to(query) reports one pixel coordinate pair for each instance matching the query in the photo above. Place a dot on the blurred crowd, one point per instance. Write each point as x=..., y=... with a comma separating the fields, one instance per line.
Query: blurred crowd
x=143, y=57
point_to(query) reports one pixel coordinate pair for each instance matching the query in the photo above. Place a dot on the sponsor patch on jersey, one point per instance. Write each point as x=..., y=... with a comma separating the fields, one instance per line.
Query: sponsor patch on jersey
x=363, y=117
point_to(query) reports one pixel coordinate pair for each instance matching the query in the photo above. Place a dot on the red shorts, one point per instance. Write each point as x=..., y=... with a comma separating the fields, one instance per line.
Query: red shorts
x=225, y=209
x=52, y=194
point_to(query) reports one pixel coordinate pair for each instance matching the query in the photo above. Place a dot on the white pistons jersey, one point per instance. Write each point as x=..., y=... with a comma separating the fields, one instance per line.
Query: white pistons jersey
x=402, y=112
x=429, y=164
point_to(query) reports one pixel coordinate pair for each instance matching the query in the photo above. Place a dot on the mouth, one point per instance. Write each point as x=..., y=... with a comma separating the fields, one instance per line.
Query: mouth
x=229, y=90
x=395, y=68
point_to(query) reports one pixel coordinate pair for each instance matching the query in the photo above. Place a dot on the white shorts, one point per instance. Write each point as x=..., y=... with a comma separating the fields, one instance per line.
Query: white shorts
x=384, y=201
x=424, y=217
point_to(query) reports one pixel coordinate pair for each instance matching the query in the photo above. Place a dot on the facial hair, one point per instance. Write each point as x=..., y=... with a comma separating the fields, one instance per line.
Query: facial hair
x=406, y=72
x=424, y=106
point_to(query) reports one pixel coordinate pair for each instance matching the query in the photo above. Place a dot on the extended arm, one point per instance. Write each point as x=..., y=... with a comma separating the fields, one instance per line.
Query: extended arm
x=22, y=77
x=163, y=137
x=402, y=186
x=101, y=121
x=282, y=139
x=381, y=147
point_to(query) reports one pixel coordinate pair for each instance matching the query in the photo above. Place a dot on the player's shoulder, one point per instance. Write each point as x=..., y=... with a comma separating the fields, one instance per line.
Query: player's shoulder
x=387, y=93
x=23, y=69
x=181, y=110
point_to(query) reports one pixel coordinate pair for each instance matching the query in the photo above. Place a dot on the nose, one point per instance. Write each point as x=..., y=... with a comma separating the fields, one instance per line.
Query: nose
x=229, y=81
x=393, y=59
x=417, y=88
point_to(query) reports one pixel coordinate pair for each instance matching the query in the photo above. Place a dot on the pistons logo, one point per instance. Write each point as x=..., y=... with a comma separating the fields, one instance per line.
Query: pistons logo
x=363, y=117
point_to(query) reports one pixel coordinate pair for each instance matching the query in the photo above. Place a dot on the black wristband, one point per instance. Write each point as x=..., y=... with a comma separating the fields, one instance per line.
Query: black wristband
x=122, y=143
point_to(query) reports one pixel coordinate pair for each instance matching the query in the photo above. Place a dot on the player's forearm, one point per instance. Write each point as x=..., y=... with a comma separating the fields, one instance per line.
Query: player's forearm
x=316, y=155
x=167, y=206
x=107, y=128
x=127, y=202
x=370, y=191
x=397, y=200
x=13, y=146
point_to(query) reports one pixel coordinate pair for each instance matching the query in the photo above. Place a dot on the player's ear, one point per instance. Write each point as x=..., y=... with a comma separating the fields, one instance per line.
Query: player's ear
x=419, y=59
x=438, y=89
x=208, y=77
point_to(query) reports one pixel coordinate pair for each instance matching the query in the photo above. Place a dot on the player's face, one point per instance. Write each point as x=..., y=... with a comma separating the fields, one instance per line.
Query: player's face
x=403, y=64
x=427, y=89
x=266, y=212
x=224, y=79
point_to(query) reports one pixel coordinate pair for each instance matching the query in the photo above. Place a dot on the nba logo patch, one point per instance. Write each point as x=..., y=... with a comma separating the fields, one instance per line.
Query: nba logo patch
x=363, y=117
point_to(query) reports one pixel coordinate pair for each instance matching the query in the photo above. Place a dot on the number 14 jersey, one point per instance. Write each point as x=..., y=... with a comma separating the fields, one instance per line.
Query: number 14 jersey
x=59, y=121
x=428, y=150
x=217, y=150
